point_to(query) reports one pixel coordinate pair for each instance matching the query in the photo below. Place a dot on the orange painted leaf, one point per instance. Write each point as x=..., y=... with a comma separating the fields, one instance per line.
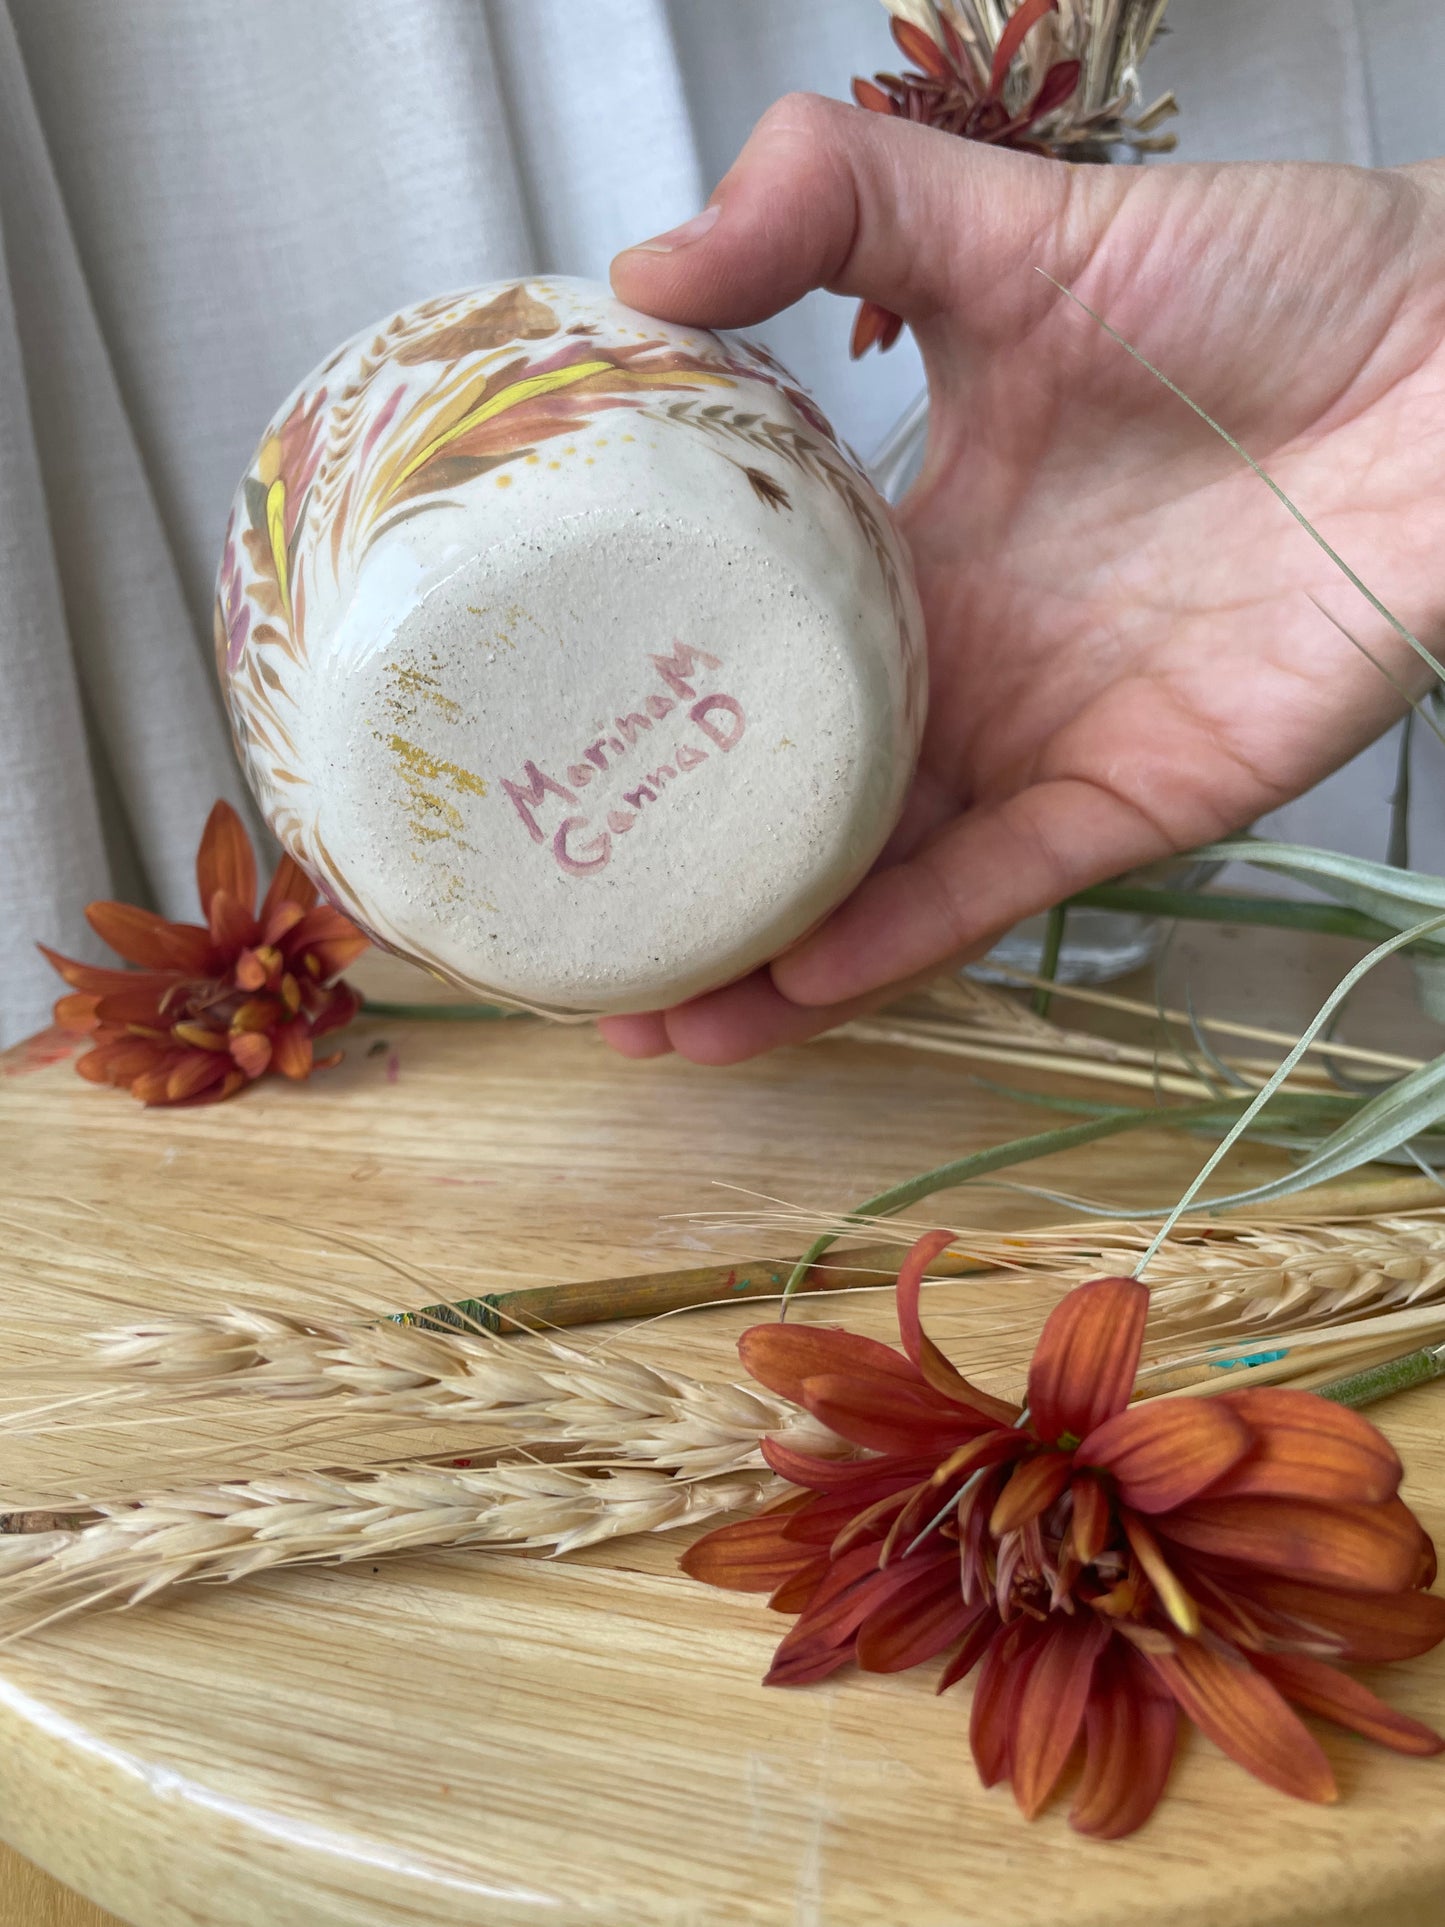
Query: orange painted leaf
x=1247, y=1718
x=1167, y=1450
x=1086, y=1359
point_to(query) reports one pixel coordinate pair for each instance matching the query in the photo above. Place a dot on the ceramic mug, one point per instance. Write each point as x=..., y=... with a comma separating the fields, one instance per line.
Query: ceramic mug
x=567, y=650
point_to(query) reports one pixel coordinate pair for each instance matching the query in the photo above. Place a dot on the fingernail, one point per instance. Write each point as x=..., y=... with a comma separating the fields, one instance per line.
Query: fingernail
x=681, y=237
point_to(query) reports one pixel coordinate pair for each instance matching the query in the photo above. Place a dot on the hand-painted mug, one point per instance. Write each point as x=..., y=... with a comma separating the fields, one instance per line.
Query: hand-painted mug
x=566, y=649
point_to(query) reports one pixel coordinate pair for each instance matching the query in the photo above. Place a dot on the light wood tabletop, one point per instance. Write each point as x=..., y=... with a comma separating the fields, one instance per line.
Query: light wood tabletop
x=496, y=1739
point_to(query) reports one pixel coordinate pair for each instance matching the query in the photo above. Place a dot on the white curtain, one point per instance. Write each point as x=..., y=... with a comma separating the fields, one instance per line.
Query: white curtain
x=198, y=199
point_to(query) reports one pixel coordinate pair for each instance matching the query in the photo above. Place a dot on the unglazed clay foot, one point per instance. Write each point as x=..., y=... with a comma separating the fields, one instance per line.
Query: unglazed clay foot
x=566, y=649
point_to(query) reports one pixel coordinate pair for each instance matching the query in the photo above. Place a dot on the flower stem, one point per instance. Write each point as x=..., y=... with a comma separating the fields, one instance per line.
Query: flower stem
x=1379, y=1381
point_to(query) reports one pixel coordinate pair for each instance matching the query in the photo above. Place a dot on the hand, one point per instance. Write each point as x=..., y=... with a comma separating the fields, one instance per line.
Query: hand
x=1125, y=660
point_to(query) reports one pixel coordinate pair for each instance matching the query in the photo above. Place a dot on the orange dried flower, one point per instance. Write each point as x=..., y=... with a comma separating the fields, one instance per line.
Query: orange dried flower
x=211, y=1008
x=950, y=92
x=1104, y=1566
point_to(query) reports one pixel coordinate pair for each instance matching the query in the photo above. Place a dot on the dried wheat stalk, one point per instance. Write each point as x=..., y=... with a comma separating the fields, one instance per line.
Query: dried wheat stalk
x=593, y=1405
x=1245, y=1276
x=131, y=1552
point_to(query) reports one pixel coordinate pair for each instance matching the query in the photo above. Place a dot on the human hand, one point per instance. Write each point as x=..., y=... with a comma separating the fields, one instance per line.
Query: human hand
x=1124, y=658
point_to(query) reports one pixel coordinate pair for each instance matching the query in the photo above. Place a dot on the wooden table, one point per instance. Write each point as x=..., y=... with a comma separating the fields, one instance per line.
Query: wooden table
x=469, y=1738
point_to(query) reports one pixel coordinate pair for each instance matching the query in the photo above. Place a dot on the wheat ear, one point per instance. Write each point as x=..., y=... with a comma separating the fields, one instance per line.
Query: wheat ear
x=132, y=1552
x=597, y=1404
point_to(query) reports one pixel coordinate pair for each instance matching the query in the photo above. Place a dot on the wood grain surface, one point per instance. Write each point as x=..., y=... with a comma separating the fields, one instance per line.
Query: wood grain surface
x=492, y=1739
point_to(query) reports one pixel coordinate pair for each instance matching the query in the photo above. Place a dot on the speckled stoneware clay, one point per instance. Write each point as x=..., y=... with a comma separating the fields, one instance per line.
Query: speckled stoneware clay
x=567, y=649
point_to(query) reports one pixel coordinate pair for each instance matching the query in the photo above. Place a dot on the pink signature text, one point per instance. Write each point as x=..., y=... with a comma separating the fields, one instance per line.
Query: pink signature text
x=710, y=725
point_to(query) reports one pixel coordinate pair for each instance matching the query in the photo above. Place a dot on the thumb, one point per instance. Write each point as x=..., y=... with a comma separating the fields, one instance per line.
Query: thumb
x=923, y=223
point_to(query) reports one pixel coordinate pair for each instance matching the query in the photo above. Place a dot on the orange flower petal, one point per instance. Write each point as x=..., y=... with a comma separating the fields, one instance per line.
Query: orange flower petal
x=249, y=971
x=95, y=978
x=290, y=884
x=1167, y=1450
x=251, y=1052
x=151, y=1086
x=1318, y=1688
x=1000, y=1684
x=77, y=1012
x=1092, y=1515
x=873, y=326
x=976, y=1642
x=1246, y=1718
x=257, y=1013
x=291, y=1049
x=196, y=1073
x=141, y=937
x=1086, y=1359
x=226, y=861
x=199, y=1036
x=1354, y=1548
x=1049, y=1712
x=751, y=1556
x=918, y=1623
x=819, y=1475
x=797, y=1592
x=852, y=1588
x=921, y=48
x=1032, y=1489
x=330, y=959
x=232, y=1082
x=1174, y=1596
x=1130, y=1730
x=342, y=1004
x=886, y=1415
x=138, y=1004
x=1368, y=1628
x=936, y=1369
x=1307, y=1447
x=782, y=1356
x=871, y=97
x=119, y=1060
x=231, y=923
